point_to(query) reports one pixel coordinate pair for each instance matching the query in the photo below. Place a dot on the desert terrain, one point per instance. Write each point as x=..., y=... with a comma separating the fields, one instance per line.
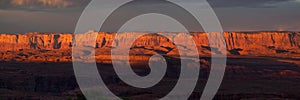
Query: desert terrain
x=260, y=65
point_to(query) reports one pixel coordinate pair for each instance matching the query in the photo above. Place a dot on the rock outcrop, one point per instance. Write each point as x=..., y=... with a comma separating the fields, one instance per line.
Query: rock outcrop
x=35, y=41
x=60, y=44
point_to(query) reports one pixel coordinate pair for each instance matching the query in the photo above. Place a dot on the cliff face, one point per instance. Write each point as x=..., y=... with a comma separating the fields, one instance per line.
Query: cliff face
x=238, y=43
x=38, y=41
x=263, y=43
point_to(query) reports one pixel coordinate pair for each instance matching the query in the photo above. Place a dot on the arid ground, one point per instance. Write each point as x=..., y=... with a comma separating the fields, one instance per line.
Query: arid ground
x=245, y=78
x=260, y=65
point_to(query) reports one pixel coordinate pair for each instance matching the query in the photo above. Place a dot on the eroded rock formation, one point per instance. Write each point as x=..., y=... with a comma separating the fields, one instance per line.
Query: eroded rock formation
x=58, y=45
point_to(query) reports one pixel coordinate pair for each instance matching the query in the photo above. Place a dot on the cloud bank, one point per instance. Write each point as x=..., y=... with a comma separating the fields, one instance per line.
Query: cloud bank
x=247, y=3
x=41, y=4
x=63, y=4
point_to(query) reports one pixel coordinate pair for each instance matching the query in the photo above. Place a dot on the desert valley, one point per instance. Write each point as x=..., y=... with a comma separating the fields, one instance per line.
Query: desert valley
x=260, y=65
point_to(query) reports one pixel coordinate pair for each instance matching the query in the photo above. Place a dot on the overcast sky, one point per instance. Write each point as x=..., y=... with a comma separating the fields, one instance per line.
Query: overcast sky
x=235, y=15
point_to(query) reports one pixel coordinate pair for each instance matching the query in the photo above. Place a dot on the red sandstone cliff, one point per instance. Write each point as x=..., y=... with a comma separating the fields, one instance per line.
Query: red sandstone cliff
x=238, y=43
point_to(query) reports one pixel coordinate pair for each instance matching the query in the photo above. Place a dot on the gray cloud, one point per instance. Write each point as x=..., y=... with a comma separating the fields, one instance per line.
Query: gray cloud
x=46, y=5
x=247, y=3
x=46, y=15
x=41, y=4
x=61, y=4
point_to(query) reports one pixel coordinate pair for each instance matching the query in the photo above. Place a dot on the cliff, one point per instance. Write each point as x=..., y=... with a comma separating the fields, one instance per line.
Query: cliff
x=37, y=41
x=59, y=44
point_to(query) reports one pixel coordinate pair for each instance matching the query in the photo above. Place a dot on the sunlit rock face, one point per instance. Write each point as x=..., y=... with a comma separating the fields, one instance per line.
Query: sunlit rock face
x=60, y=44
x=263, y=43
x=35, y=41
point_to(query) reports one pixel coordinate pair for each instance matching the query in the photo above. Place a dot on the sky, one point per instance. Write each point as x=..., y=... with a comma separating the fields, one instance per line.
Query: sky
x=20, y=16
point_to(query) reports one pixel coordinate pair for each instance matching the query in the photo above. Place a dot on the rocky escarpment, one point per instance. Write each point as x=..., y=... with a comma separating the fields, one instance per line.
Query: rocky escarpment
x=45, y=45
x=35, y=41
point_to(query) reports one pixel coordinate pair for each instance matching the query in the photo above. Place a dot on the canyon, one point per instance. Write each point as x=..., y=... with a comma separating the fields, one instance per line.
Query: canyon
x=260, y=65
x=57, y=47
